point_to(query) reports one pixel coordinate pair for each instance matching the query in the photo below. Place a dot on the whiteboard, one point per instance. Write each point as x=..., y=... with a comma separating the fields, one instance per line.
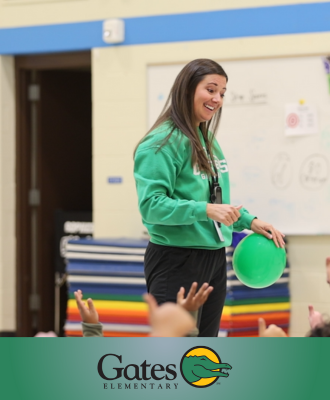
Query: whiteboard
x=282, y=179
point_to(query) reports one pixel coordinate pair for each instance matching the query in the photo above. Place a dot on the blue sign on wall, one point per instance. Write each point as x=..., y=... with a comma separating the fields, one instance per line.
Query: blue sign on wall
x=115, y=179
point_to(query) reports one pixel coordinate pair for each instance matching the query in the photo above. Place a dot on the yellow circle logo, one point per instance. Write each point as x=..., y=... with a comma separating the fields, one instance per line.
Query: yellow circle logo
x=202, y=367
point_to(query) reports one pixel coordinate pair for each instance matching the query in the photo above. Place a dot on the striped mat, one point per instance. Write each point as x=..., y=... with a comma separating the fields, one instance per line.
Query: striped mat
x=111, y=272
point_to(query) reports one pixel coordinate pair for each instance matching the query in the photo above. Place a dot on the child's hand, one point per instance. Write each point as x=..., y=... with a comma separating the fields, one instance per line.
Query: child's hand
x=314, y=317
x=194, y=300
x=271, y=331
x=88, y=315
x=169, y=319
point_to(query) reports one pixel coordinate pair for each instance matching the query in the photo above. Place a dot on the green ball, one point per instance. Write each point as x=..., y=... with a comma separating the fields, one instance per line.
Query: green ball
x=257, y=262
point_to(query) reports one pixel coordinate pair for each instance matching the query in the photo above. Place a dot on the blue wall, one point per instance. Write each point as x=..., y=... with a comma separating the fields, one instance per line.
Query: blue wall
x=249, y=22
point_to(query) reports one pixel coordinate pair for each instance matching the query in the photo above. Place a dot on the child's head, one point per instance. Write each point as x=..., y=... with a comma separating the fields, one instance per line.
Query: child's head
x=320, y=331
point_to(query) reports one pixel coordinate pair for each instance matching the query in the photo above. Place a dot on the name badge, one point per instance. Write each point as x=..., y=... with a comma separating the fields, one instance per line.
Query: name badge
x=218, y=229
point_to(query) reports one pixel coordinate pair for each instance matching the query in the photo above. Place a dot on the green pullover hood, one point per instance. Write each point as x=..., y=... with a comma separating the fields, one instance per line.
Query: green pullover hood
x=173, y=193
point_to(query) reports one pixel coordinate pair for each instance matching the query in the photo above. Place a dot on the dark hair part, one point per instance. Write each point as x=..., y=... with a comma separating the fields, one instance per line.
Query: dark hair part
x=179, y=110
x=320, y=331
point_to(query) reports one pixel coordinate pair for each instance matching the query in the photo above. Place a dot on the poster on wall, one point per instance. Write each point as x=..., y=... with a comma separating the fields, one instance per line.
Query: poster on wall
x=300, y=119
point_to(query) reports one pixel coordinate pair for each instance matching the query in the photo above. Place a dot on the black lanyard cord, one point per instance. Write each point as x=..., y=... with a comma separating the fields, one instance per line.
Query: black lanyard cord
x=215, y=189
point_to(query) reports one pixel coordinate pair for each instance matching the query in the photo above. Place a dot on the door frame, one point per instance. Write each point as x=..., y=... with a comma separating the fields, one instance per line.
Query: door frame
x=24, y=65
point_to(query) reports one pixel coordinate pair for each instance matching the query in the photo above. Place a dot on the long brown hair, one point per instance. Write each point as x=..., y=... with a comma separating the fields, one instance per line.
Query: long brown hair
x=179, y=110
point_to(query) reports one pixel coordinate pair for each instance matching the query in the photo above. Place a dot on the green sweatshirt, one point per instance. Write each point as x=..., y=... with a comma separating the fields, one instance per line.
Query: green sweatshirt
x=173, y=194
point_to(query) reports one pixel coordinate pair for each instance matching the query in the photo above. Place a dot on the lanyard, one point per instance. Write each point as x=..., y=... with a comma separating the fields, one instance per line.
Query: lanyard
x=215, y=189
x=215, y=193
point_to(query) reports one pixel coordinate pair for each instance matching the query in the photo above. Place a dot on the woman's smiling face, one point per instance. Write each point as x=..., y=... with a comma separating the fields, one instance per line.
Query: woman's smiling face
x=208, y=97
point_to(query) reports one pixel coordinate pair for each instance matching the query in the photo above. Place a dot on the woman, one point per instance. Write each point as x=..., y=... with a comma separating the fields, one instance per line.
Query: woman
x=183, y=187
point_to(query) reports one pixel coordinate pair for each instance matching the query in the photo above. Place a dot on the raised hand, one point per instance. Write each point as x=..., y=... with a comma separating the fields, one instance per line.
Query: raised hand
x=194, y=300
x=271, y=331
x=87, y=314
x=314, y=317
x=168, y=319
x=266, y=229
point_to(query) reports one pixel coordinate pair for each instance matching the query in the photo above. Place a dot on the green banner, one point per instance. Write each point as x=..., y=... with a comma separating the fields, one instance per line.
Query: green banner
x=159, y=368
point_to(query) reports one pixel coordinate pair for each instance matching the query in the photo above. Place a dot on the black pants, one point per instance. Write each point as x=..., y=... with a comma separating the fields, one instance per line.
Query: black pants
x=168, y=268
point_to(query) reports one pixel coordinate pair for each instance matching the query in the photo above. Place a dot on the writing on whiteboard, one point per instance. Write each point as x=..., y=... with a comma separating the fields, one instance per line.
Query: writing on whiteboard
x=281, y=171
x=314, y=172
x=250, y=97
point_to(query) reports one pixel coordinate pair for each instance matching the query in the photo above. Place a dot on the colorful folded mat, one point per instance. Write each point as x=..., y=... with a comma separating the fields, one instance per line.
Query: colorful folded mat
x=111, y=273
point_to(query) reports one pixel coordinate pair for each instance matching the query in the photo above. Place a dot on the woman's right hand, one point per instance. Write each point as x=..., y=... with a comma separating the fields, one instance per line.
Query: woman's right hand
x=224, y=213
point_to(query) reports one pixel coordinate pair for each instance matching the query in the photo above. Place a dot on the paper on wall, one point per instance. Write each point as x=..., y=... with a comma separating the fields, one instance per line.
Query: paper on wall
x=300, y=120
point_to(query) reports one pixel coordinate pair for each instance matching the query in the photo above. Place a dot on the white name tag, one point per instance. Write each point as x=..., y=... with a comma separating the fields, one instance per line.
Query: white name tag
x=218, y=229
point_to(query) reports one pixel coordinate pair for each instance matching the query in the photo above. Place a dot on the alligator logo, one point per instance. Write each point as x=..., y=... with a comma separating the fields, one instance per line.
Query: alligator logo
x=202, y=367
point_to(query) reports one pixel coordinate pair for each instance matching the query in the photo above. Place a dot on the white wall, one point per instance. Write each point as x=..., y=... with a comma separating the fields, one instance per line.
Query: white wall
x=7, y=195
x=120, y=120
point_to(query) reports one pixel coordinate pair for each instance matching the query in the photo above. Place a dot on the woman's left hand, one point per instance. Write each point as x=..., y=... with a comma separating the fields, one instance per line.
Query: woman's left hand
x=269, y=231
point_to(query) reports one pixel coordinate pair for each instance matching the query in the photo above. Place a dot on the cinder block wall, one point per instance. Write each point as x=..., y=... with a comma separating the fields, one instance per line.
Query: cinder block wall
x=308, y=279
